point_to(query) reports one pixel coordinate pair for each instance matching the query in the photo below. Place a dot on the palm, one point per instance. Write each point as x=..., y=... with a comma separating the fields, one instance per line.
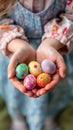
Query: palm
x=45, y=52
x=20, y=56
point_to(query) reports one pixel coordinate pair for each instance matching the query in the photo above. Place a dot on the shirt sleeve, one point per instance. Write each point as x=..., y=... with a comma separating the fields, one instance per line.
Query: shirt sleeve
x=8, y=32
x=62, y=28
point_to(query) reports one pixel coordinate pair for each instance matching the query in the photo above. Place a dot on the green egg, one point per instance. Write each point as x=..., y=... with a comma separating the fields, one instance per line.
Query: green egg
x=21, y=71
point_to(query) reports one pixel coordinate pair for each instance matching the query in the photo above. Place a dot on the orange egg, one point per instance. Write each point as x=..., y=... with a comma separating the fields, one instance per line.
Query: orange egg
x=43, y=79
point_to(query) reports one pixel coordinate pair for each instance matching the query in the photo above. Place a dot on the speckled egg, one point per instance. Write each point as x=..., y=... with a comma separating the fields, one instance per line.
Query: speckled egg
x=21, y=71
x=43, y=79
x=48, y=66
x=35, y=68
x=29, y=82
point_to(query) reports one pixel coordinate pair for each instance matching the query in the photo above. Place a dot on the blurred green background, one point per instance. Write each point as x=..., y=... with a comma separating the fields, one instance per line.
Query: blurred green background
x=65, y=118
x=4, y=117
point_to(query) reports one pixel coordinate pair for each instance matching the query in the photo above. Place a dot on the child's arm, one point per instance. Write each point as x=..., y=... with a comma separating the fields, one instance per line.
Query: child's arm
x=58, y=37
x=14, y=43
x=61, y=28
x=9, y=32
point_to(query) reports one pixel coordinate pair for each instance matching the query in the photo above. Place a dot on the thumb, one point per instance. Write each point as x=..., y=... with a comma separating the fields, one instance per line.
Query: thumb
x=61, y=66
x=11, y=67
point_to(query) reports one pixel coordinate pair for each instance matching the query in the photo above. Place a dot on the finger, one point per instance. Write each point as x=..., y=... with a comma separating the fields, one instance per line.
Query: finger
x=18, y=85
x=61, y=66
x=29, y=94
x=53, y=83
x=35, y=96
x=41, y=91
x=34, y=90
x=11, y=67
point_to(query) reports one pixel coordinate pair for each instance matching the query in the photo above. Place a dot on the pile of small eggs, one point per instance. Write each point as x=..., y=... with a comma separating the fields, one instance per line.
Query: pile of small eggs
x=35, y=74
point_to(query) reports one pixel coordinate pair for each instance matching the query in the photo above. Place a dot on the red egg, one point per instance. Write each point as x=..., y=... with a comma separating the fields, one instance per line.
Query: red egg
x=43, y=79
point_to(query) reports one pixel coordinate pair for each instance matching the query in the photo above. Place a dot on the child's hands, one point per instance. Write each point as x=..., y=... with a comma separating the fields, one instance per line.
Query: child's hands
x=22, y=53
x=48, y=50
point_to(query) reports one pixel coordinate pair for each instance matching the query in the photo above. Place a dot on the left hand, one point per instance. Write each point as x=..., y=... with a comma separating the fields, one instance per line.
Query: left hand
x=22, y=52
x=46, y=50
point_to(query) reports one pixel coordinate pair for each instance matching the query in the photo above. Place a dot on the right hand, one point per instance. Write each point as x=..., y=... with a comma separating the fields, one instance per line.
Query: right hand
x=48, y=50
x=22, y=53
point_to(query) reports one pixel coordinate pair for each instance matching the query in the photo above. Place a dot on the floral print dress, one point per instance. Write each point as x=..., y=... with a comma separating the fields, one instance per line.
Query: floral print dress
x=46, y=23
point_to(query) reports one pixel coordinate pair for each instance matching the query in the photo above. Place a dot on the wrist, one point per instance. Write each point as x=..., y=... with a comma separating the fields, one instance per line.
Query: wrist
x=15, y=45
x=54, y=43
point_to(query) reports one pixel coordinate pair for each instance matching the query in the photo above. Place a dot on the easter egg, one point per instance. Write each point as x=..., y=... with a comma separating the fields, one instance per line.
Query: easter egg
x=48, y=66
x=21, y=71
x=29, y=82
x=35, y=68
x=43, y=79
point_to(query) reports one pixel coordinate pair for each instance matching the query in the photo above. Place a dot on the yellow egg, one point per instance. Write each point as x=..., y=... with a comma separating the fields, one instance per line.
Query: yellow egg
x=34, y=68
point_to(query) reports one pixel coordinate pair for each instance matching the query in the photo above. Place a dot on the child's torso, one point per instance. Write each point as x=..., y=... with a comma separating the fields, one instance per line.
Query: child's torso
x=33, y=23
x=36, y=5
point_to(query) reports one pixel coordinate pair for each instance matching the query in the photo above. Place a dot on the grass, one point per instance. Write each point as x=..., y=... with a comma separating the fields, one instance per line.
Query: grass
x=4, y=117
x=65, y=118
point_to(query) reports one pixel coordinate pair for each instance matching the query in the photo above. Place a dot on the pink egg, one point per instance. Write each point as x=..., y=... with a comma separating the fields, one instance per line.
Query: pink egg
x=48, y=66
x=43, y=79
x=29, y=82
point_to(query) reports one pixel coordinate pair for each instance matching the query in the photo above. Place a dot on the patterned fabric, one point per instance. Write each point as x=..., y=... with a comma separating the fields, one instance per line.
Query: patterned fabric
x=8, y=33
x=36, y=5
x=36, y=110
x=60, y=29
